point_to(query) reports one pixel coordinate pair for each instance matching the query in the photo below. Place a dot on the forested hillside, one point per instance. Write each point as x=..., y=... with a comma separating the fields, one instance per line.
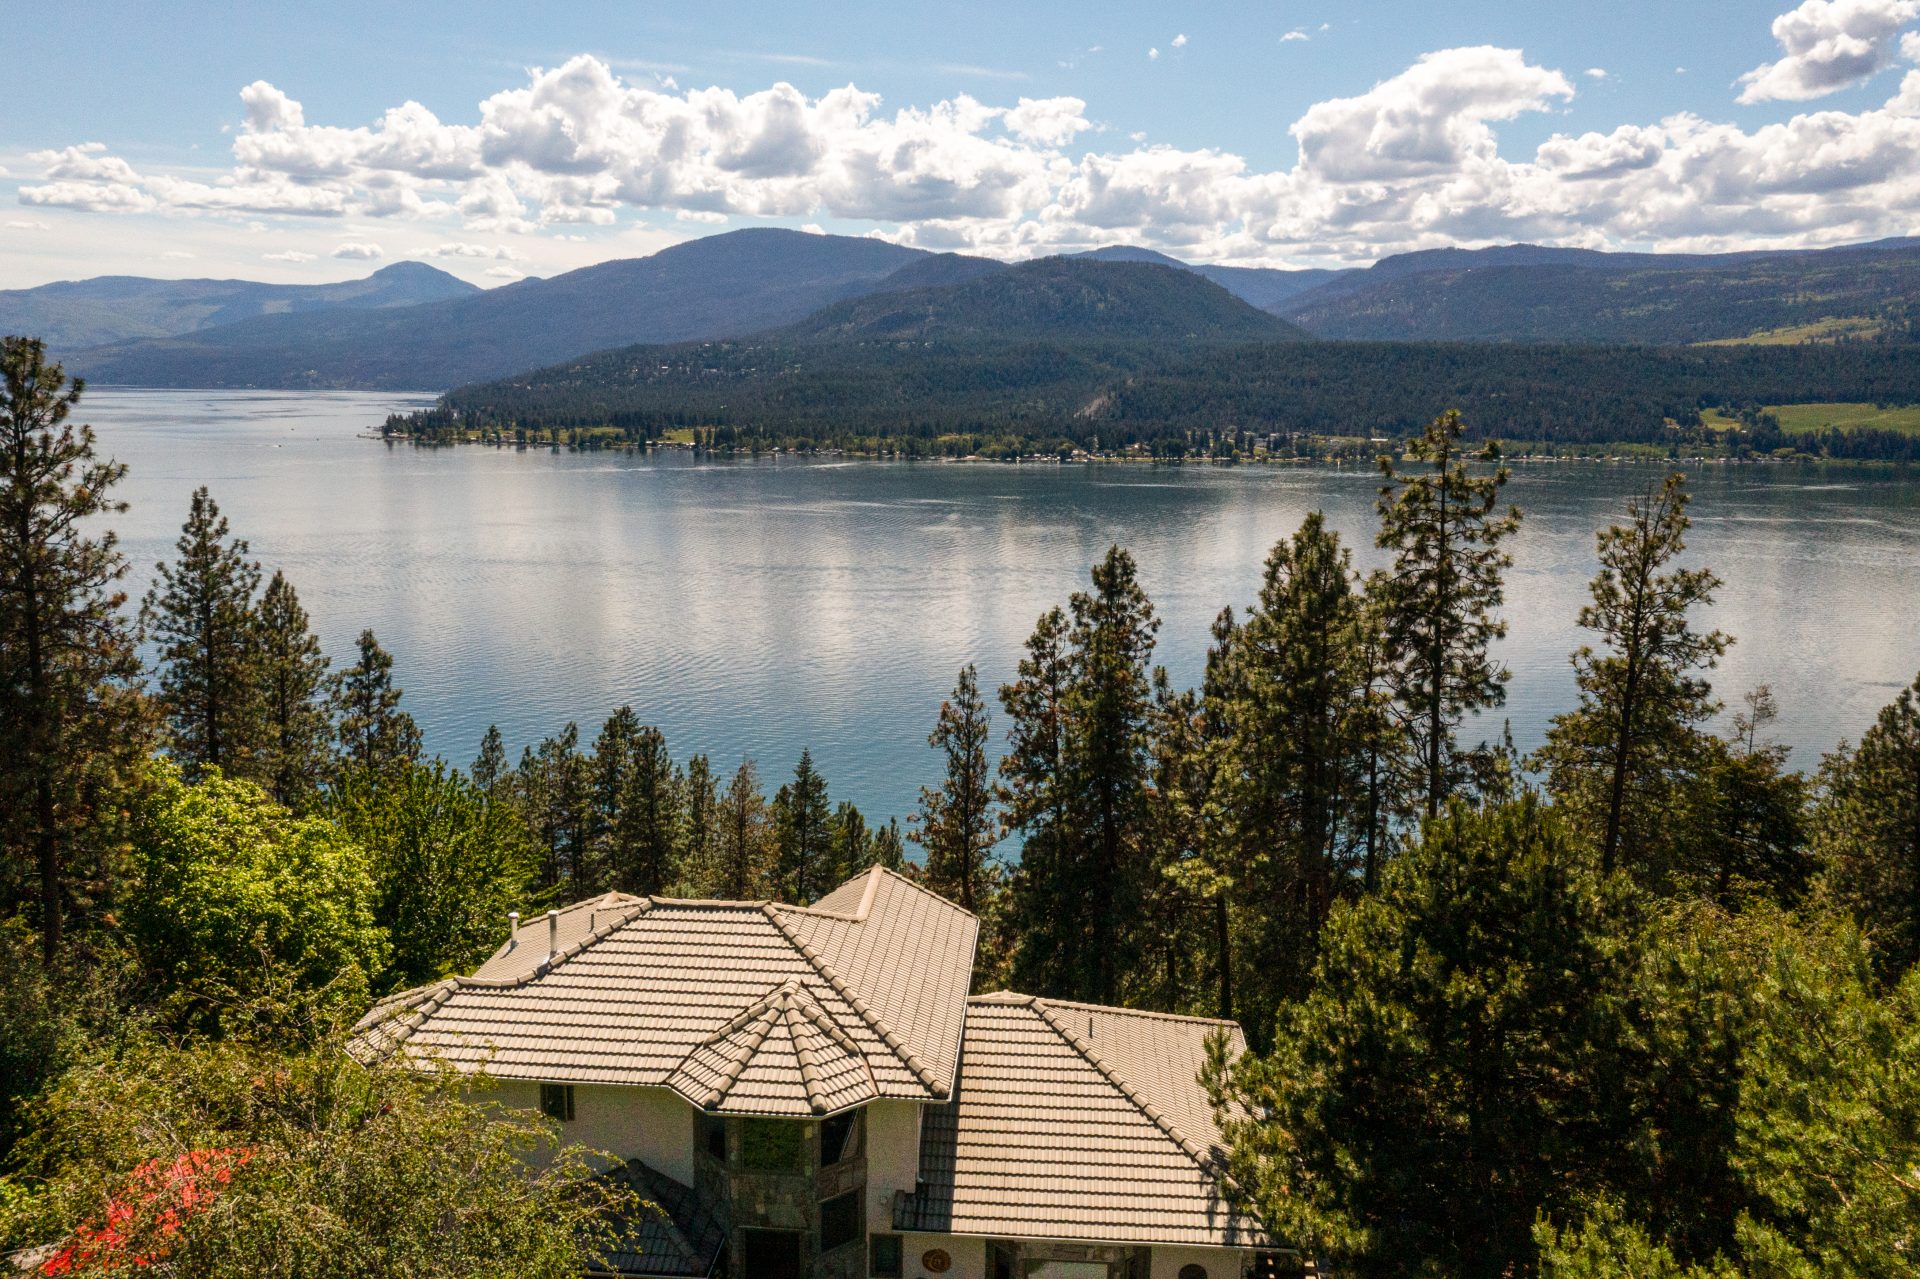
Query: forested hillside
x=1035, y=394
x=1554, y=295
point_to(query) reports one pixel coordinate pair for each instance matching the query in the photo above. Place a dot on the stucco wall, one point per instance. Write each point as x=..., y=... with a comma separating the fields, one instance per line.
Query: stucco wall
x=969, y=1256
x=1220, y=1263
x=651, y=1124
x=893, y=1157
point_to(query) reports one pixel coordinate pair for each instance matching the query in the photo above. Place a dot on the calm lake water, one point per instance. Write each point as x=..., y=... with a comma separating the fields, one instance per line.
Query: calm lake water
x=757, y=607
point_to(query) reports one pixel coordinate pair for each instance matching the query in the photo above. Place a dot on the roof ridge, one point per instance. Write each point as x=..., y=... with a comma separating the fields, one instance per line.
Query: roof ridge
x=598, y=933
x=908, y=1058
x=1127, y=1012
x=1152, y=1112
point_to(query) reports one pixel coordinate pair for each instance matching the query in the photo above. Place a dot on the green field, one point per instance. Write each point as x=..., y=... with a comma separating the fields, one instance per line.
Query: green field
x=1795, y=418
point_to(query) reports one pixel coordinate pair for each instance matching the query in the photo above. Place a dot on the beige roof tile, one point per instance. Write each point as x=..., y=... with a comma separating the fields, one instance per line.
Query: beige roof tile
x=792, y=1008
x=1072, y=1121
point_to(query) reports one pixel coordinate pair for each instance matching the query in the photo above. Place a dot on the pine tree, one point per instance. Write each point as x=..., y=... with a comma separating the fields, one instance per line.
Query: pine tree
x=849, y=843
x=801, y=813
x=67, y=658
x=1619, y=762
x=1108, y=753
x=959, y=822
x=297, y=746
x=1440, y=597
x=1077, y=779
x=888, y=849
x=553, y=785
x=740, y=863
x=1868, y=831
x=1044, y=936
x=375, y=736
x=638, y=806
x=200, y=616
x=1290, y=795
x=490, y=765
x=700, y=802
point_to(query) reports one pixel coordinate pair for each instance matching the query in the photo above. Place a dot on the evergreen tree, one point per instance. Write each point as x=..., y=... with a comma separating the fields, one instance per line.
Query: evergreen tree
x=1109, y=762
x=739, y=871
x=1441, y=595
x=801, y=837
x=958, y=823
x=490, y=765
x=297, y=746
x=887, y=848
x=1077, y=780
x=1461, y=1063
x=700, y=802
x=200, y=616
x=1747, y=820
x=375, y=736
x=1177, y=968
x=73, y=720
x=1290, y=794
x=638, y=806
x=553, y=785
x=849, y=843
x=1868, y=831
x=1619, y=763
x=1044, y=923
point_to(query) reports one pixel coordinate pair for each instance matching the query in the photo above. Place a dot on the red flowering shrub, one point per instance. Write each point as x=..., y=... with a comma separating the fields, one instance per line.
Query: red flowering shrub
x=139, y=1225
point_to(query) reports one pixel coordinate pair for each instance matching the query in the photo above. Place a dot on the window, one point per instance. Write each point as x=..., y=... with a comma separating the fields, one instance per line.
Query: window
x=839, y=1220
x=710, y=1134
x=1193, y=1270
x=773, y=1145
x=556, y=1101
x=884, y=1257
x=840, y=1138
x=771, y=1254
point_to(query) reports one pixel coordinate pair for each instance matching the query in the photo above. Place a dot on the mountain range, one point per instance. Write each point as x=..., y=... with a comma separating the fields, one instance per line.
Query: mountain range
x=411, y=326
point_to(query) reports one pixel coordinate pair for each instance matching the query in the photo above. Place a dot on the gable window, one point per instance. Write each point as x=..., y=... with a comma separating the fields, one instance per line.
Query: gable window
x=840, y=1138
x=884, y=1257
x=773, y=1145
x=839, y=1220
x=556, y=1101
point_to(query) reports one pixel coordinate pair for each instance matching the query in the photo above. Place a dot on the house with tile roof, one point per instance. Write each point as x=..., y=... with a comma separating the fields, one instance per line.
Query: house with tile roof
x=810, y=1091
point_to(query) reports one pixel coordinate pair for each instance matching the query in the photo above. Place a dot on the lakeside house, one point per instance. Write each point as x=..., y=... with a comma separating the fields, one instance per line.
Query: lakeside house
x=810, y=1091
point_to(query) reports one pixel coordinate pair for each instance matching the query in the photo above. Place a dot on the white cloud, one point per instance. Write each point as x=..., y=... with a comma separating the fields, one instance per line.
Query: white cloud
x=502, y=273
x=178, y=255
x=1152, y=54
x=1829, y=45
x=357, y=250
x=1294, y=35
x=1412, y=162
x=463, y=249
x=289, y=255
x=26, y=224
x=1595, y=73
x=1180, y=41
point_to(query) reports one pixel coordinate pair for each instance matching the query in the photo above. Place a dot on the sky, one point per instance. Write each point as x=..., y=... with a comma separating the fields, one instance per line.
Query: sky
x=302, y=142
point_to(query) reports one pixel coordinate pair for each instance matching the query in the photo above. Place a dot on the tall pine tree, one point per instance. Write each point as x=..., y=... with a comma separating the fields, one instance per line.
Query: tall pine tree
x=1619, y=763
x=296, y=746
x=1868, y=826
x=200, y=616
x=1447, y=533
x=959, y=822
x=375, y=736
x=801, y=812
x=73, y=721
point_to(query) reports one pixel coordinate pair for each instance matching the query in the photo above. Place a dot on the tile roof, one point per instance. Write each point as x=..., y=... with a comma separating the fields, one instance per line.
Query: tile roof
x=741, y=1007
x=1073, y=1121
x=671, y=1231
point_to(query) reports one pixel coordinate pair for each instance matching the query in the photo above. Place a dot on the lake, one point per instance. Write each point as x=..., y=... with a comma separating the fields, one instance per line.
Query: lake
x=755, y=607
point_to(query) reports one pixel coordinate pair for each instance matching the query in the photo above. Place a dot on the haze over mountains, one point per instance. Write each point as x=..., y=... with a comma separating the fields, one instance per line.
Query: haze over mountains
x=77, y=314
x=413, y=327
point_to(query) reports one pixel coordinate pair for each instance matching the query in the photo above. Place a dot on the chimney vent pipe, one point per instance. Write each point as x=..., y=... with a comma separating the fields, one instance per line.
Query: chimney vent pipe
x=513, y=929
x=553, y=933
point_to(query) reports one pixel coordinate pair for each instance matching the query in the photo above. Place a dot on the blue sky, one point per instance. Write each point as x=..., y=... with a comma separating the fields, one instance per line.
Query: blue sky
x=310, y=142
